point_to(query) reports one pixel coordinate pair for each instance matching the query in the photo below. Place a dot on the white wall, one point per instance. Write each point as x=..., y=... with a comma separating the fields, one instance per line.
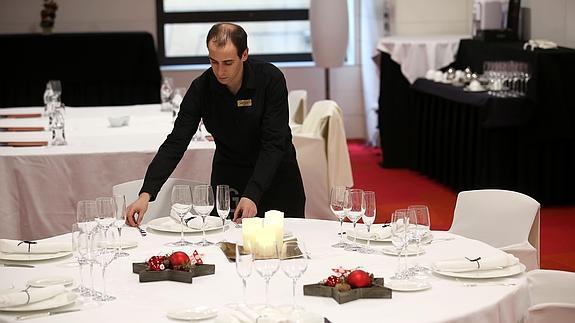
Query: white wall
x=23, y=16
x=421, y=17
x=553, y=20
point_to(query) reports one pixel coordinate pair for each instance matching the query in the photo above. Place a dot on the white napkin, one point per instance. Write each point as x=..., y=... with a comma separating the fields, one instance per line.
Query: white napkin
x=485, y=263
x=18, y=298
x=15, y=246
x=176, y=218
x=377, y=232
x=211, y=222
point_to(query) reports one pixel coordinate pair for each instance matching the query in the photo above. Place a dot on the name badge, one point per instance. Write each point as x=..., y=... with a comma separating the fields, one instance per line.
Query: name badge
x=244, y=103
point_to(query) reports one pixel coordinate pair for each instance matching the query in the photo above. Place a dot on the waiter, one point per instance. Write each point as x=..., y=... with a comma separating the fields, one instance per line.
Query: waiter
x=243, y=104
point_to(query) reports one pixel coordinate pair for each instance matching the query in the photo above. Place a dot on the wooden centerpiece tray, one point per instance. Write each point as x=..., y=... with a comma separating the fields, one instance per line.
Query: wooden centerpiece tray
x=377, y=290
x=141, y=268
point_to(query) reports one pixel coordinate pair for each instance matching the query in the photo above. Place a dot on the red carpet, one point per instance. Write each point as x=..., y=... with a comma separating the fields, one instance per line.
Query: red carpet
x=398, y=188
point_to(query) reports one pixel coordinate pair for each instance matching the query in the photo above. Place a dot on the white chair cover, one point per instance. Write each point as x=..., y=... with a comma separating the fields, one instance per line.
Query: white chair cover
x=297, y=103
x=504, y=219
x=552, y=296
x=162, y=205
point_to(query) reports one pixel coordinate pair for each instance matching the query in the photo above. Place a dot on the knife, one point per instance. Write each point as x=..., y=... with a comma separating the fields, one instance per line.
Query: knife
x=17, y=265
x=44, y=314
x=21, y=129
x=20, y=115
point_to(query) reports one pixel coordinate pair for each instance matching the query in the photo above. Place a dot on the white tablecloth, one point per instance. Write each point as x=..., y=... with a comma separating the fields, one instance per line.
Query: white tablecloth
x=418, y=54
x=41, y=185
x=447, y=301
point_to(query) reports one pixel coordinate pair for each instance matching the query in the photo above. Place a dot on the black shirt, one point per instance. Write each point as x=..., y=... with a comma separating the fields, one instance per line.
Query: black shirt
x=254, y=150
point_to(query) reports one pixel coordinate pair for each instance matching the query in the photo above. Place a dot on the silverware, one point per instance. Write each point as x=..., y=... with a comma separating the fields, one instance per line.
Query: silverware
x=17, y=265
x=488, y=284
x=44, y=314
x=143, y=232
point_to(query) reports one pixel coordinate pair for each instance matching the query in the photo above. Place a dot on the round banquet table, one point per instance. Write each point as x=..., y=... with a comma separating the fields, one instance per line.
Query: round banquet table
x=448, y=300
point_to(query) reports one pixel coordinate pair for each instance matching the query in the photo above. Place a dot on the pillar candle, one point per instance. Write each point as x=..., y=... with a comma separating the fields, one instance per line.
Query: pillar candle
x=250, y=230
x=274, y=221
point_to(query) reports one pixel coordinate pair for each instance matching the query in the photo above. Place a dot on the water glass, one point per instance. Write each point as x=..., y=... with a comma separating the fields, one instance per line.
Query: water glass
x=244, y=265
x=181, y=204
x=337, y=202
x=203, y=203
x=120, y=216
x=105, y=253
x=294, y=260
x=399, y=239
x=357, y=204
x=368, y=218
x=166, y=93
x=80, y=251
x=266, y=263
x=223, y=204
x=106, y=212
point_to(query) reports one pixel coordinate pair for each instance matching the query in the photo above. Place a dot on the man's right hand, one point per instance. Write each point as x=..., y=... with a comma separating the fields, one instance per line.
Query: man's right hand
x=139, y=207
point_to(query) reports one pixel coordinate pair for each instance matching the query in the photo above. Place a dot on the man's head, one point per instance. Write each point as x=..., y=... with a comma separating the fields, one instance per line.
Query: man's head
x=227, y=50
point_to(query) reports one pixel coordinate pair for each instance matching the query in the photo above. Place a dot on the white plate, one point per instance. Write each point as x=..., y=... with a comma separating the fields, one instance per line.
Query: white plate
x=125, y=244
x=193, y=313
x=467, y=89
x=32, y=256
x=49, y=281
x=377, y=234
x=411, y=251
x=406, y=285
x=494, y=273
x=167, y=224
x=59, y=300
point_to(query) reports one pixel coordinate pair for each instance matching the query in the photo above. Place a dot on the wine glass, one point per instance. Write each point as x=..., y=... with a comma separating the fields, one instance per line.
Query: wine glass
x=337, y=201
x=357, y=204
x=293, y=263
x=266, y=262
x=368, y=218
x=105, y=253
x=86, y=213
x=244, y=264
x=181, y=204
x=80, y=250
x=203, y=203
x=120, y=216
x=105, y=212
x=166, y=93
x=223, y=204
x=399, y=238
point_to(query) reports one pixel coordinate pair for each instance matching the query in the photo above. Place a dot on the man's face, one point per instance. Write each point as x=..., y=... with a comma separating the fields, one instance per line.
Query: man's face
x=227, y=66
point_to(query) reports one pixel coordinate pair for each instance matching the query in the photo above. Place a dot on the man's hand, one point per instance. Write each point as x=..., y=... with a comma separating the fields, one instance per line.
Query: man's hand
x=140, y=206
x=246, y=208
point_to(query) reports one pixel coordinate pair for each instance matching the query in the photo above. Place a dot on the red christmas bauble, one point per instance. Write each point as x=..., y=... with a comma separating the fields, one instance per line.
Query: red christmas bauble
x=179, y=259
x=359, y=278
x=156, y=263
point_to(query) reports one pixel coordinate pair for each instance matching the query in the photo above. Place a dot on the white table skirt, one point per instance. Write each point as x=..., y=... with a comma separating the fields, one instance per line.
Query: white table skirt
x=41, y=185
x=447, y=301
x=418, y=54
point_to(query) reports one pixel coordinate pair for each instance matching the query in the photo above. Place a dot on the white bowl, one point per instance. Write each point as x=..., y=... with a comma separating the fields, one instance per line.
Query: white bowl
x=119, y=121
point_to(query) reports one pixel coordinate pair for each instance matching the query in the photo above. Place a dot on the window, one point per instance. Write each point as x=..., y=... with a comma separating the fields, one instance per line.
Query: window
x=278, y=30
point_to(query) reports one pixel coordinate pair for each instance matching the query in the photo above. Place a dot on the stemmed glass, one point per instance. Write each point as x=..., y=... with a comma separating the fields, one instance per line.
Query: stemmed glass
x=105, y=253
x=166, y=93
x=267, y=264
x=244, y=264
x=337, y=201
x=399, y=238
x=120, y=216
x=106, y=211
x=294, y=263
x=223, y=204
x=86, y=212
x=181, y=204
x=80, y=250
x=203, y=205
x=368, y=218
x=357, y=203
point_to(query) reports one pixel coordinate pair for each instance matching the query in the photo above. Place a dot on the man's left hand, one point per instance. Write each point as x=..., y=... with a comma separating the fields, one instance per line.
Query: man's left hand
x=246, y=208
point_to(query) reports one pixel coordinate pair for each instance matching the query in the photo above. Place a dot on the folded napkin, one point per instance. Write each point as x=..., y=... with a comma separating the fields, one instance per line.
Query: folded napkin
x=376, y=232
x=32, y=295
x=476, y=263
x=195, y=222
x=176, y=218
x=19, y=246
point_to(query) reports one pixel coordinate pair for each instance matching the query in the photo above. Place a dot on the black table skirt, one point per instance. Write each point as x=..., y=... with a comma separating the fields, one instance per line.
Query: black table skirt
x=95, y=68
x=472, y=140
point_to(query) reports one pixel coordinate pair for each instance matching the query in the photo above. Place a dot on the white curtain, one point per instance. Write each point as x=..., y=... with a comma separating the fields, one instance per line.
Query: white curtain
x=370, y=31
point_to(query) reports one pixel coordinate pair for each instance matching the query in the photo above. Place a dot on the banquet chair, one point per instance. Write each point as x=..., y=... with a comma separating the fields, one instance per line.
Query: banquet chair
x=552, y=296
x=297, y=103
x=322, y=130
x=161, y=206
x=503, y=219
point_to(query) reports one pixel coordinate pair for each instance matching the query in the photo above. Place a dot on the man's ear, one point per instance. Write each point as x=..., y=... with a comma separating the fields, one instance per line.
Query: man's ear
x=244, y=55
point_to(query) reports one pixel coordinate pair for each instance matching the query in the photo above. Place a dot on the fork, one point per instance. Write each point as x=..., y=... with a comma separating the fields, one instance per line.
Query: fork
x=143, y=232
